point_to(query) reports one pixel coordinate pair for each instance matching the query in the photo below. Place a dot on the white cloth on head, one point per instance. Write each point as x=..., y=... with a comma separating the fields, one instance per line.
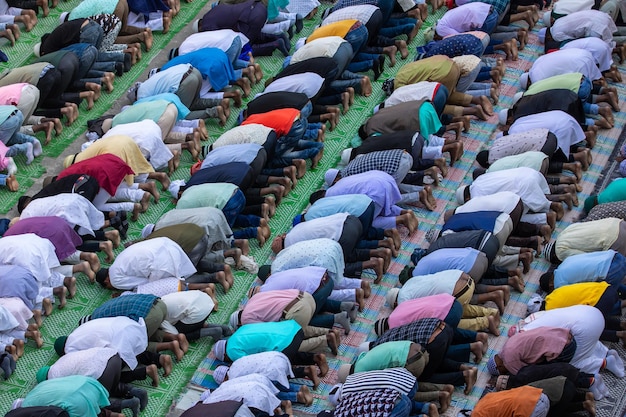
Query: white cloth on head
x=187, y=307
x=34, y=254
x=274, y=365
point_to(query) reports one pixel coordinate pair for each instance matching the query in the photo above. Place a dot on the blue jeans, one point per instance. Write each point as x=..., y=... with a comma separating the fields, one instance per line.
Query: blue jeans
x=357, y=38
x=233, y=52
x=303, y=149
x=439, y=101
x=584, y=92
x=323, y=304
x=617, y=272
x=343, y=55
x=11, y=136
x=3, y=180
x=92, y=34
x=490, y=22
x=287, y=393
x=234, y=206
x=246, y=224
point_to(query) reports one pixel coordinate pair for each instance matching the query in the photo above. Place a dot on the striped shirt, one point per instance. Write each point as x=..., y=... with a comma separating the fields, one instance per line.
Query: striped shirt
x=397, y=379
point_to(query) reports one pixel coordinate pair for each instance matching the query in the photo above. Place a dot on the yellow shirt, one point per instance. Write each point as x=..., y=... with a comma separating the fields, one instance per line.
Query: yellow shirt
x=584, y=293
x=587, y=237
x=340, y=28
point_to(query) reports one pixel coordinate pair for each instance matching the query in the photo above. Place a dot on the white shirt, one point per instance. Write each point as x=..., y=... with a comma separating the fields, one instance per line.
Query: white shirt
x=564, y=61
x=321, y=47
x=571, y=6
x=7, y=321
x=308, y=83
x=361, y=12
x=584, y=24
x=252, y=133
x=126, y=336
x=221, y=39
x=601, y=51
x=418, y=91
x=18, y=310
x=210, y=218
x=566, y=129
x=463, y=19
x=149, y=260
x=432, y=284
x=527, y=183
x=188, y=307
x=306, y=279
x=255, y=390
x=585, y=323
x=274, y=365
x=503, y=201
x=302, y=7
x=74, y=208
x=244, y=152
x=159, y=288
x=330, y=227
x=317, y=252
x=148, y=136
x=89, y=362
x=32, y=253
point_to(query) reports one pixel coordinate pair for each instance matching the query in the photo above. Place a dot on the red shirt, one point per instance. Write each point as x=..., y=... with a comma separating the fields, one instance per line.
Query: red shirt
x=280, y=120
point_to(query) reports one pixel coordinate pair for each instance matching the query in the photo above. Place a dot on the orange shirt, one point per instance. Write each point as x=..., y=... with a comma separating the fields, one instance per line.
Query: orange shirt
x=340, y=28
x=517, y=402
x=280, y=120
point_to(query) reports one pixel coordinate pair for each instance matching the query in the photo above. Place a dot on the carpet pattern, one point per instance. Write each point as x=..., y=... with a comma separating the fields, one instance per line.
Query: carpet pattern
x=197, y=365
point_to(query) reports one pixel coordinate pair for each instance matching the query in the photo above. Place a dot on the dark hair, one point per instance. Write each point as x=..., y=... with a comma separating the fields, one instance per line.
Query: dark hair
x=478, y=172
x=482, y=158
x=22, y=202
x=362, y=133
x=316, y=196
x=545, y=280
x=101, y=275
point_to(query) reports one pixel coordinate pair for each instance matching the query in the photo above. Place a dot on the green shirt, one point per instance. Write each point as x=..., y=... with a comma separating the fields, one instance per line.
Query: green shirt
x=152, y=110
x=615, y=191
x=569, y=81
x=80, y=396
x=383, y=356
x=207, y=195
x=531, y=159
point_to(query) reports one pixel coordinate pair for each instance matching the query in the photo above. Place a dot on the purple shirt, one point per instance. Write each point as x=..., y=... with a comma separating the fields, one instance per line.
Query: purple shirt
x=377, y=185
x=55, y=229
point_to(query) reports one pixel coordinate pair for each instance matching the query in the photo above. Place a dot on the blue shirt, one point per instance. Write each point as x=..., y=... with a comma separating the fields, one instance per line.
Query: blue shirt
x=183, y=111
x=479, y=220
x=355, y=204
x=261, y=337
x=212, y=63
x=447, y=258
x=585, y=267
x=163, y=81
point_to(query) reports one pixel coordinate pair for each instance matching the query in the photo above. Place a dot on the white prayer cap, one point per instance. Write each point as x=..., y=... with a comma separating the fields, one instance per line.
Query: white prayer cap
x=460, y=194
x=147, y=230
x=219, y=375
x=376, y=108
x=363, y=347
x=196, y=26
x=219, y=349
x=175, y=186
x=503, y=115
x=534, y=304
x=233, y=321
x=517, y=96
x=37, y=49
x=300, y=43
x=542, y=35
x=392, y=297
x=546, y=18
x=63, y=17
x=345, y=156
x=523, y=80
x=335, y=394
x=330, y=176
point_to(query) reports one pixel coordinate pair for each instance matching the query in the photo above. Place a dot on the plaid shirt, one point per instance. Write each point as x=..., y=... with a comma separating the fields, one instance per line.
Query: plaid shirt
x=418, y=332
x=386, y=161
x=498, y=5
x=347, y=3
x=132, y=306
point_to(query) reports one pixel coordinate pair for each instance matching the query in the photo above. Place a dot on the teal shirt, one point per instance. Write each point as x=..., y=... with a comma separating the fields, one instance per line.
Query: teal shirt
x=615, y=191
x=207, y=195
x=80, y=396
x=5, y=112
x=530, y=159
x=430, y=123
x=383, y=356
x=261, y=337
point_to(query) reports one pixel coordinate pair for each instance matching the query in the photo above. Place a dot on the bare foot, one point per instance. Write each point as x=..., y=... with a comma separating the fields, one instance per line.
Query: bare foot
x=494, y=324
x=322, y=364
x=484, y=339
x=166, y=363
x=311, y=374
x=333, y=343
x=303, y=396
x=46, y=304
x=517, y=283
x=70, y=284
x=367, y=288
x=477, y=349
x=153, y=372
x=107, y=248
x=470, y=376
x=359, y=296
x=183, y=343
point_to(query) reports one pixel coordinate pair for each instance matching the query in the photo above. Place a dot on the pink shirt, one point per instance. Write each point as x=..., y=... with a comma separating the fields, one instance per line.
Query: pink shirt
x=433, y=306
x=463, y=19
x=10, y=94
x=4, y=162
x=267, y=306
x=533, y=347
